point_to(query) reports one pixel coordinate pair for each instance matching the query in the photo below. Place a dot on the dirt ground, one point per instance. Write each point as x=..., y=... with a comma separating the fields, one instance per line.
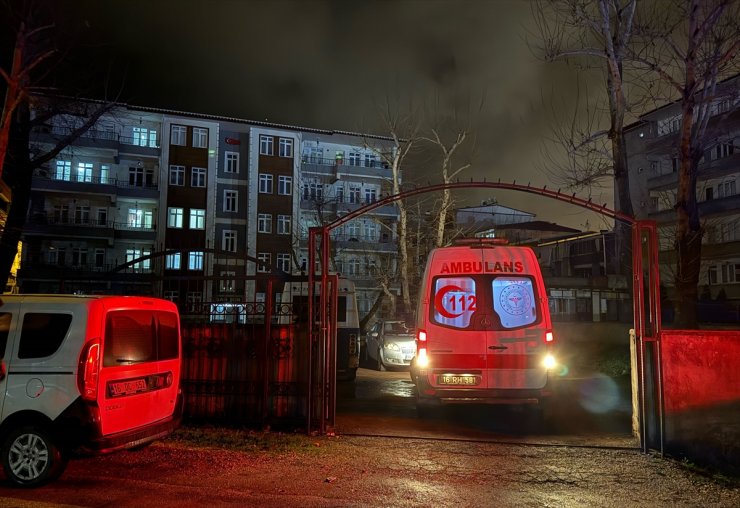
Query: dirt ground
x=379, y=471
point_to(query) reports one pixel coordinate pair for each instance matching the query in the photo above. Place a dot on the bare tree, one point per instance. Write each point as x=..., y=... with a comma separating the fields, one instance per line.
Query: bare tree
x=690, y=47
x=23, y=112
x=596, y=33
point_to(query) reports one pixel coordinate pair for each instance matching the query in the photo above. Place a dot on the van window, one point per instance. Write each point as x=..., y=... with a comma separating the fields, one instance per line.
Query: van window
x=42, y=334
x=455, y=301
x=300, y=308
x=508, y=301
x=5, y=318
x=135, y=336
x=514, y=302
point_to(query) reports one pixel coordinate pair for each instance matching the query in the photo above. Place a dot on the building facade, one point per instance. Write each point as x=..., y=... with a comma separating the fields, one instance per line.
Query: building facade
x=208, y=207
x=652, y=147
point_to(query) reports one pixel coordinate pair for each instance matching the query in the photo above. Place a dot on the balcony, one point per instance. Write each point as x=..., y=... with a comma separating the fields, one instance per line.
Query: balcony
x=39, y=270
x=110, y=186
x=712, y=169
x=332, y=205
x=93, y=138
x=337, y=168
x=716, y=206
x=53, y=225
x=361, y=243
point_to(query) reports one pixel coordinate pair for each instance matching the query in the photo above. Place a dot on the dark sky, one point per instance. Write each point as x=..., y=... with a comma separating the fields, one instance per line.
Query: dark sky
x=326, y=64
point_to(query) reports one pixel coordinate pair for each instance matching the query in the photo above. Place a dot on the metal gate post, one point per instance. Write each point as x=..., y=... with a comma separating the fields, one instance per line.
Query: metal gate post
x=647, y=323
x=312, y=339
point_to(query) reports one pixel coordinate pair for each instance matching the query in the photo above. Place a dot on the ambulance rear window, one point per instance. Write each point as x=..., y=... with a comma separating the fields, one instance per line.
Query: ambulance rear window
x=484, y=302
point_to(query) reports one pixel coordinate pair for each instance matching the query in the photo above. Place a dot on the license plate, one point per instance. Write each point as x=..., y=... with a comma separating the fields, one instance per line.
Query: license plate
x=459, y=380
x=406, y=358
x=127, y=387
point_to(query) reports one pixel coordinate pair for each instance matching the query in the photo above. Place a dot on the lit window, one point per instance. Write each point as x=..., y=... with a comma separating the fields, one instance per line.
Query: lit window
x=197, y=218
x=231, y=162
x=177, y=175
x=266, y=145
x=286, y=147
x=198, y=177
x=177, y=135
x=195, y=260
x=200, y=137
x=84, y=172
x=231, y=201
x=174, y=217
x=227, y=282
x=136, y=255
x=172, y=261
x=64, y=171
x=265, y=183
x=264, y=223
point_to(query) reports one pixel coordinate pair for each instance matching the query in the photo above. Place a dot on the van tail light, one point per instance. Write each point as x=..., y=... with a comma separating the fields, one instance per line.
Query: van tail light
x=549, y=337
x=422, y=359
x=89, y=369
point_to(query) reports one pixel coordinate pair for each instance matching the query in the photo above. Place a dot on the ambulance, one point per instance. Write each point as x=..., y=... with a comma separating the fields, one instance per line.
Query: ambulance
x=484, y=334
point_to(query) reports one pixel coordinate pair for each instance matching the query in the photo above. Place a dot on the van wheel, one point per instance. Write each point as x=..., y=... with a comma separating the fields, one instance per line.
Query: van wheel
x=31, y=457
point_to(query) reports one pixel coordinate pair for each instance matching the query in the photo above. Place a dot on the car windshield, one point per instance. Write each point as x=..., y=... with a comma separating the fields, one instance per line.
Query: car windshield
x=396, y=327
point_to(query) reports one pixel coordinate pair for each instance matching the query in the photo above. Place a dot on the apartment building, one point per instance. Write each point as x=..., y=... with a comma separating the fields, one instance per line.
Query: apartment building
x=652, y=147
x=198, y=208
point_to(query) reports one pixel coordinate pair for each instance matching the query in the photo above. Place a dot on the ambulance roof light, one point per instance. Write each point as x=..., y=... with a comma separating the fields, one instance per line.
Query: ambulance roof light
x=480, y=242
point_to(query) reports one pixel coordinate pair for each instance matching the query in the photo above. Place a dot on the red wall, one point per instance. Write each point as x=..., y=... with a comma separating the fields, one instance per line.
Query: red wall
x=700, y=368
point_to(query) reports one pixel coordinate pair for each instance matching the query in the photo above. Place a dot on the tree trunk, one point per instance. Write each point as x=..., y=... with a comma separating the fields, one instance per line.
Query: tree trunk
x=19, y=176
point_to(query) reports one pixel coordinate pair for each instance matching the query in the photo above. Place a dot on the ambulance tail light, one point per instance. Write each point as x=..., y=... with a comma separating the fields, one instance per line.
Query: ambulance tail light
x=422, y=359
x=88, y=370
x=549, y=337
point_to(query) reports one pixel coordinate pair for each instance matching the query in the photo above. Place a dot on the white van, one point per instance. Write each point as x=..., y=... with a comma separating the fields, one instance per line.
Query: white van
x=84, y=374
x=483, y=334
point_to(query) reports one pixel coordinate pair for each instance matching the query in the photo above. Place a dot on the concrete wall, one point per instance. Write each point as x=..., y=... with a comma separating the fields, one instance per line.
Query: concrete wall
x=701, y=381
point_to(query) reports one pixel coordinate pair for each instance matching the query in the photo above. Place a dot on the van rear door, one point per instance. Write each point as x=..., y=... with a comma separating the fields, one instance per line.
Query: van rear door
x=516, y=345
x=140, y=368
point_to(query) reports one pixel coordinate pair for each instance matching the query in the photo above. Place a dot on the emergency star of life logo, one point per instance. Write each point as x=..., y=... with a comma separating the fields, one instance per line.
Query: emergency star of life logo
x=515, y=300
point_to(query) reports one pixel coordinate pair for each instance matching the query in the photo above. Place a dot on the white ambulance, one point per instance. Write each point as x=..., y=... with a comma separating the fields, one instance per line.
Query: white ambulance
x=484, y=334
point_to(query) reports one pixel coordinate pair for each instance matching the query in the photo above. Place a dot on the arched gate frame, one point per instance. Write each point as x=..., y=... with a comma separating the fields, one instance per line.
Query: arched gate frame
x=645, y=297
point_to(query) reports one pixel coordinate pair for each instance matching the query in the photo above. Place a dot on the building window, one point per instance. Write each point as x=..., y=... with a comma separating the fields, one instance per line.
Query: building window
x=726, y=189
x=283, y=224
x=102, y=217
x=134, y=255
x=64, y=170
x=228, y=240
x=231, y=162
x=371, y=195
x=339, y=192
x=226, y=285
x=264, y=223
x=313, y=190
x=177, y=175
x=285, y=185
x=285, y=148
x=354, y=158
x=175, y=217
x=82, y=215
x=99, y=258
x=315, y=155
x=61, y=214
x=372, y=231
x=198, y=177
x=177, y=135
x=144, y=137
x=143, y=219
x=354, y=195
x=353, y=266
x=231, y=201
x=171, y=296
x=195, y=260
x=265, y=183
x=723, y=150
x=84, y=172
x=283, y=262
x=194, y=301
x=197, y=218
x=371, y=161
x=200, y=137
x=265, y=259
x=79, y=256
x=172, y=261
x=266, y=145
x=353, y=229
x=105, y=174
x=669, y=125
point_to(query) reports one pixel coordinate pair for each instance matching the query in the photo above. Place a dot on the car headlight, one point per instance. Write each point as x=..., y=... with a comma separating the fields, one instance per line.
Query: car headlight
x=392, y=346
